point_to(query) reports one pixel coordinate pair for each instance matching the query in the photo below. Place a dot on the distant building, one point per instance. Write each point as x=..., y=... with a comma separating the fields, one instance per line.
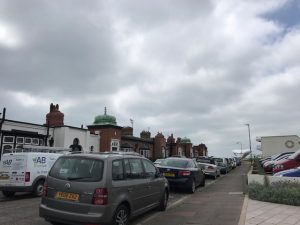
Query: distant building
x=15, y=134
x=117, y=138
x=103, y=135
x=271, y=145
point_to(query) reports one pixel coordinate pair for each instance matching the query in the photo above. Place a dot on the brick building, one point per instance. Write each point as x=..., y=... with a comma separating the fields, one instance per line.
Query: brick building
x=117, y=138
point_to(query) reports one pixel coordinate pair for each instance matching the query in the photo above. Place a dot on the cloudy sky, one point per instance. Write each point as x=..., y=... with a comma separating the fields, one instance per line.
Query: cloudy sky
x=200, y=69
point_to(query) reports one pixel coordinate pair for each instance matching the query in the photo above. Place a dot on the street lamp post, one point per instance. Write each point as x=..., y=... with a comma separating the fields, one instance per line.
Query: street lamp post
x=241, y=146
x=248, y=125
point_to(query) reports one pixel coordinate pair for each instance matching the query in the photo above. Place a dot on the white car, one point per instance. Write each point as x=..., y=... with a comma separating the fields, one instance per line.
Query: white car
x=25, y=170
x=158, y=162
x=209, y=167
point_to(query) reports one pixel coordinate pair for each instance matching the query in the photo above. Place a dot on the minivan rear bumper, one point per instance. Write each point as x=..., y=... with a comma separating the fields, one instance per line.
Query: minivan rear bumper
x=67, y=217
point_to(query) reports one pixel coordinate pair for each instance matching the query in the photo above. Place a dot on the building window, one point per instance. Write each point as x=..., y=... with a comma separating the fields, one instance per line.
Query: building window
x=7, y=148
x=35, y=141
x=41, y=142
x=115, y=145
x=196, y=153
x=9, y=139
x=126, y=149
x=20, y=140
x=28, y=141
x=145, y=152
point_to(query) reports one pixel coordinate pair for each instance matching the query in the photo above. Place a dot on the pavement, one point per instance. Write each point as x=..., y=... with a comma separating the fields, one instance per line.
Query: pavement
x=265, y=213
x=220, y=203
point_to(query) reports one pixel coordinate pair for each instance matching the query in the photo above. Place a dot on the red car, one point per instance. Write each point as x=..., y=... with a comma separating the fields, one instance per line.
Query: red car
x=268, y=166
x=291, y=162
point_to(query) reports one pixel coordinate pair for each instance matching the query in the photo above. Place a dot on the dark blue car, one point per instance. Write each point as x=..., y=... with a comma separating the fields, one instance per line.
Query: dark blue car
x=289, y=173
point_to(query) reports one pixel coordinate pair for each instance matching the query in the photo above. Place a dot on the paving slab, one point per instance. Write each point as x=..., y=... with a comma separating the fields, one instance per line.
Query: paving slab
x=265, y=213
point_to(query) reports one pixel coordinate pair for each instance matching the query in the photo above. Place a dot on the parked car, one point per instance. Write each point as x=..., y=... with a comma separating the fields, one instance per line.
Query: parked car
x=209, y=167
x=268, y=166
x=158, y=161
x=182, y=173
x=233, y=163
x=262, y=161
x=229, y=163
x=238, y=161
x=289, y=173
x=291, y=162
x=104, y=188
x=222, y=164
x=277, y=156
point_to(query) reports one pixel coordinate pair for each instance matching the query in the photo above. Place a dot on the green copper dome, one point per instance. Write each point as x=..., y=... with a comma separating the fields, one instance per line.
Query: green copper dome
x=105, y=119
x=185, y=140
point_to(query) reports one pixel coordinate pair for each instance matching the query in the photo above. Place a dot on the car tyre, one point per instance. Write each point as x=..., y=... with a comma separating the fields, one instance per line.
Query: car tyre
x=192, y=187
x=38, y=188
x=164, y=201
x=203, y=182
x=8, y=194
x=121, y=216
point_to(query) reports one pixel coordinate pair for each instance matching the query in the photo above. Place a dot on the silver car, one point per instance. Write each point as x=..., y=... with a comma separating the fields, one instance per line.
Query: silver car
x=105, y=188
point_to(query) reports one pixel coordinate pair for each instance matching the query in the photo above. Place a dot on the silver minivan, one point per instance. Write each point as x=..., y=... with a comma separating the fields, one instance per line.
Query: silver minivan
x=103, y=188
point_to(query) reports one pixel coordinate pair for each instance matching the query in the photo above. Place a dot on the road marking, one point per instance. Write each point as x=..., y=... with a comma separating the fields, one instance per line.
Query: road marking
x=236, y=193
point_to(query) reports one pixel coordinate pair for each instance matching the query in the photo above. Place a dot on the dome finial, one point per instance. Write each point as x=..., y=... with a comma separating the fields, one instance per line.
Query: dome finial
x=105, y=110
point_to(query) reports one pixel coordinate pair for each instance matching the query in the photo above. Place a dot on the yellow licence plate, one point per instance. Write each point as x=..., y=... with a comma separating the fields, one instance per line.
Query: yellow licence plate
x=67, y=196
x=169, y=174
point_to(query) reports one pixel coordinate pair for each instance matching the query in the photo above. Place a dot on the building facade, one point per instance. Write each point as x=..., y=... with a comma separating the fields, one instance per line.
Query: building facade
x=104, y=134
x=15, y=134
x=118, y=138
x=271, y=145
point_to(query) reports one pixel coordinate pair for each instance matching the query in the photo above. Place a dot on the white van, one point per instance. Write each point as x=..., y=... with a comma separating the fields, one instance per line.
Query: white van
x=25, y=170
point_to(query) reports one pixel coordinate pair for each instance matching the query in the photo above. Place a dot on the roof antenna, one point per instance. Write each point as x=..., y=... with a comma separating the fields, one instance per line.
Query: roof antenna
x=131, y=121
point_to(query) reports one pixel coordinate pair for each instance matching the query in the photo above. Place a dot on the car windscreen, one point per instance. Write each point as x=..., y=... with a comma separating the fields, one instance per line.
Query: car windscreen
x=294, y=155
x=179, y=163
x=204, y=161
x=77, y=169
x=218, y=159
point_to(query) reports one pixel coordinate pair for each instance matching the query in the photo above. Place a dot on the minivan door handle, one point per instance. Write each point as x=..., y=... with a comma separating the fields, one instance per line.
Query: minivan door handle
x=130, y=189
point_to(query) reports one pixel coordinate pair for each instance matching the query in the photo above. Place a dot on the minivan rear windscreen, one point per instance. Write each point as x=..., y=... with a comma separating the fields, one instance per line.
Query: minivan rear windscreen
x=77, y=169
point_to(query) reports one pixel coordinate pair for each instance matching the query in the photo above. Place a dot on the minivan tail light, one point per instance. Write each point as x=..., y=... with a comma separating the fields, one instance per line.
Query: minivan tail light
x=210, y=167
x=100, y=196
x=27, y=176
x=184, y=173
x=45, y=189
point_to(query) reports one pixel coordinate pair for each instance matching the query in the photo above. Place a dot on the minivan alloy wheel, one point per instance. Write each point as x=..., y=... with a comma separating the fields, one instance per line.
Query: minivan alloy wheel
x=121, y=217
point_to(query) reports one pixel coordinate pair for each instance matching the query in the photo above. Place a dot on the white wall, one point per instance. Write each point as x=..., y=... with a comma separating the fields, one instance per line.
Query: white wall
x=64, y=136
x=277, y=144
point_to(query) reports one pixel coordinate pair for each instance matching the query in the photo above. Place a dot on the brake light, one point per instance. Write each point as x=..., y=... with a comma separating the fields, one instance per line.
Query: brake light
x=45, y=189
x=27, y=176
x=210, y=167
x=184, y=173
x=100, y=196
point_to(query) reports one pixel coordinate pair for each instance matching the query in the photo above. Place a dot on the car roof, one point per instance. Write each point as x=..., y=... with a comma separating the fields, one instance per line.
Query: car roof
x=105, y=155
x=178, y=158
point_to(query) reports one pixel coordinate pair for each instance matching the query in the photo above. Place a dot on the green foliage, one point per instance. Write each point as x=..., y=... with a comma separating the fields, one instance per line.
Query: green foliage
x=280, y=192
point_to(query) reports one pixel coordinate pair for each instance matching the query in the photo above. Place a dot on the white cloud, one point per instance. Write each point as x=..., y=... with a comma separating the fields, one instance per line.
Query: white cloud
x=200, y=69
